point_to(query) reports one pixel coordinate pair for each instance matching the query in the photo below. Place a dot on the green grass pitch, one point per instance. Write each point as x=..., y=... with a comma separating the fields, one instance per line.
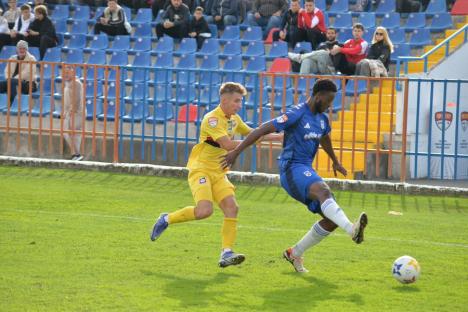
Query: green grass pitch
x=79, y=241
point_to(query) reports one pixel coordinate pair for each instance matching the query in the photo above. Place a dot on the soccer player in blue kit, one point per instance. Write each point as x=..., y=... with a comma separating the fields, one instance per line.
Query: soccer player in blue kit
x=306, y=126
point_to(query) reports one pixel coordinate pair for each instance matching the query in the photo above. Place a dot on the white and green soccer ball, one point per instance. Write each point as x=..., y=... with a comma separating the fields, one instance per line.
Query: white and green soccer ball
x=406, y=269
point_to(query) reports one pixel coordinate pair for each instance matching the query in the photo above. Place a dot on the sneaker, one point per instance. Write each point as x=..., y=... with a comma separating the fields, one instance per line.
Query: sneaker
x=358, y=228
x=159, y=227
x=297, y=262
x=79, y=157
x=230, y=258
x=74, y=157
x=296, y=57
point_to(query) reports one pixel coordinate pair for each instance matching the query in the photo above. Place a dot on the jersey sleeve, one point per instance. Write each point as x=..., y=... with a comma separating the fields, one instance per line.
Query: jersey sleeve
x=327, y=129
x=288, y=119
x=242, y=128
x=214, y=127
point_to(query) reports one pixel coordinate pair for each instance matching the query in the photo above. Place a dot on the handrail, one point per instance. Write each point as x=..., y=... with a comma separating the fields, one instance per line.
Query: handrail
x=446, y=43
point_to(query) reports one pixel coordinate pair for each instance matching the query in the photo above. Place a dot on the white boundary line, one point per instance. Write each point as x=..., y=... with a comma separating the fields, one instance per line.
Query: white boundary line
x=204, y=223
x=235, y=176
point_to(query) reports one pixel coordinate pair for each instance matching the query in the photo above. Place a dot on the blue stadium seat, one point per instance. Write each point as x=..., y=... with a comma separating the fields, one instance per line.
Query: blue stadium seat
x=143, y=30
x=140, y=68
x=391, y=20
x=3, y=102
x=81, y=12
x=278, y=96
x=211, y=77
x=139, y=111
x=343, y=20
x=369, y=34
x=436, y=7
x=143, y=16
x=402, y=49
x=7, y=52
x=77, y=27
x=231, y=33
x=280, y=82
x=338, y=6
x=158, y=18
x=185, y=75
x=35, y=52
x=415, y=21
x=93, y=111
x=141, y=44
x=19, y=106
x=303, y=46
x=76, y=41
x=52, y=55
x=361, y=87
x=397, y=35
x=97, y=15
x=254, y=99
x=302, y=84
x=187, y=46
x=61, y=11
x=165, y=45
x=185, y=94
x=210, y=47
x=278, y=49
x=90, y=86
x=441, y=22
x=213, y=30
x=252, y=33
x=163, y=112
x=255, y=64
x=337, y=102
x=231, y=68
x=60, y=26
x=385, y=6
x=140, y=91
x=109, y=111
x=98, y=42
x=45, y=86
x=231, y=48
x=344, y=34
x=97, y=57
x=118, y=58
x=163, y=73
x=255, y=48
x=208, y=96
x=45, y=110
x=162, y=93
x=321, y=4
x=74, y=56
x=420, y=38
x=120, y=43
x=367, y=19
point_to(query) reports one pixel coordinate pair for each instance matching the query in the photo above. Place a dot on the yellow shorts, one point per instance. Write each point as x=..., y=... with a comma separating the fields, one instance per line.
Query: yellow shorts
x=212, y=186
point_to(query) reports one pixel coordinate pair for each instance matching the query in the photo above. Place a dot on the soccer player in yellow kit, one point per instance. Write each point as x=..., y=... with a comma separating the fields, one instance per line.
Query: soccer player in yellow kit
x=208, y=181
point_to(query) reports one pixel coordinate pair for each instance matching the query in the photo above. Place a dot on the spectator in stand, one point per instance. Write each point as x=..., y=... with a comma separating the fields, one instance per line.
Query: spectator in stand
x=408, y=6
x=20, y=74
x=35, y=3
x=175, y=22
x=378, y=59
x=320, y=61
x=312, y=24
x=198, y=27
x=191, y=4
x=19, y=30
x=353, y=51
x=4, y=31
x=135, y=4
x=225, y=13
x=41, y=32
x=113, y=21
x=289, y=31
x=12, y=13
x=157, y=6
x=74, y=111
x=267, y=14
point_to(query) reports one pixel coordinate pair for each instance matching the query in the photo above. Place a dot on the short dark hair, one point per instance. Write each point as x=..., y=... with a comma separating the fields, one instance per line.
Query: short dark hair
x=359, y=26
x=232, y=87
x=324, y=85
x=332, y=28
x=199, y=8
x=25, y=7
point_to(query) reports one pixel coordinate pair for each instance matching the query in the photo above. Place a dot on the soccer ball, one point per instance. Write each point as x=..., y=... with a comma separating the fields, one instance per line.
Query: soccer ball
x=406, y=269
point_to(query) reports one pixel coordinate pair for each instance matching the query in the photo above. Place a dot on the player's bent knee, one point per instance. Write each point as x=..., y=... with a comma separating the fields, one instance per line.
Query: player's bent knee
x=203, y=210
x=320, y=191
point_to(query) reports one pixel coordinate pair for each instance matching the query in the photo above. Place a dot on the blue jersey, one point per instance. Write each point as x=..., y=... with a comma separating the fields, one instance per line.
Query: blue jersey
x=302, y=133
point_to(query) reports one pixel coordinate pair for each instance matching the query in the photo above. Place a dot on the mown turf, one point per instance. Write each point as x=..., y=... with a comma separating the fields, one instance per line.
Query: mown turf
x=79, y=241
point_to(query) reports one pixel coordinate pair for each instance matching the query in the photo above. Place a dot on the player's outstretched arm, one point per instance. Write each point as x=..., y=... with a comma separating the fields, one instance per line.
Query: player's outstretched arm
x=326, y=143
x=253, y=136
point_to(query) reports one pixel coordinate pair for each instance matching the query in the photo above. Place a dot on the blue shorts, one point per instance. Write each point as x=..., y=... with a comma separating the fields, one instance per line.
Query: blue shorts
x=296, y=180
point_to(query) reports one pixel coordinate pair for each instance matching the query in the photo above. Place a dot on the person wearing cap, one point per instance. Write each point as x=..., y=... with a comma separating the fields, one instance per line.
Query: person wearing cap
x=20, y=75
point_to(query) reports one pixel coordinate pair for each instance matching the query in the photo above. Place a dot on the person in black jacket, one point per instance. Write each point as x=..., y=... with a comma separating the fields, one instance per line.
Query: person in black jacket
x=113, y=21
x=198, y=28
x=41, y=32
x=289, y=30
x=225, y=13
x=175, y=21
x=378, y=57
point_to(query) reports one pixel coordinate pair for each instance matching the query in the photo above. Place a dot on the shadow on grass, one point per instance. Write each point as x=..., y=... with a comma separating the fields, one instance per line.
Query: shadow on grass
x=192, y=291
x=306, y=298
x=406, y=289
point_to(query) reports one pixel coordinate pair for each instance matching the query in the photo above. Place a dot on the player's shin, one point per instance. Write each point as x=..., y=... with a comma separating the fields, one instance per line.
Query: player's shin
x=332, y=211
x=229, y=233
x=182, y=215
x=311, y=238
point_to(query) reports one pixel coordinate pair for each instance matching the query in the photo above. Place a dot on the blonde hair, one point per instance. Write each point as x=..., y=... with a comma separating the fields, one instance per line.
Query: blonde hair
x=386, y=38
x=232, y=87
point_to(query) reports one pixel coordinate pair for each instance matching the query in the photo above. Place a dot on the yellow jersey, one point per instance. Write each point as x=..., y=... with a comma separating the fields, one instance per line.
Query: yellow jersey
x=207, y=153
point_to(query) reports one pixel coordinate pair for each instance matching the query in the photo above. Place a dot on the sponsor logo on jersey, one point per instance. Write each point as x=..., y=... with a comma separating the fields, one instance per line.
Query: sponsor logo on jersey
x=307, y=126
x=312, y=136
x=322, y=124
x=213, y=121
x=443, y=122
x=282, y=118
x=202, y=180
x=464, y=120
x=307, y=173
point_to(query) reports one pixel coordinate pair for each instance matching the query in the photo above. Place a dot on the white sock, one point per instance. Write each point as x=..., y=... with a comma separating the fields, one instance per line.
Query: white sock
x=225, y=250
x=332, y=211
x=312, y=238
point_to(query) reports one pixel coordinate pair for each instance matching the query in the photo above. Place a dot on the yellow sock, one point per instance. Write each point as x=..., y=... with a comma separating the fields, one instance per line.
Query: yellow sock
x=182, y=215
x=229, y=232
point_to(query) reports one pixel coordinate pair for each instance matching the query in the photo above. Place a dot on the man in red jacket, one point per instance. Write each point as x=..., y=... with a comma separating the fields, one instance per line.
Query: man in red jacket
x=311, y=23
x=353, y=51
